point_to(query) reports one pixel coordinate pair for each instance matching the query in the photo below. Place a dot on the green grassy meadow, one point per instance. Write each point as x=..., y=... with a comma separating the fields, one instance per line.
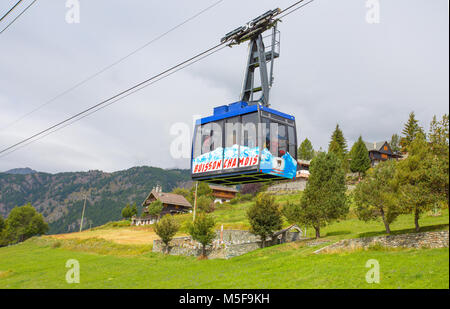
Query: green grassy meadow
x=40, y=261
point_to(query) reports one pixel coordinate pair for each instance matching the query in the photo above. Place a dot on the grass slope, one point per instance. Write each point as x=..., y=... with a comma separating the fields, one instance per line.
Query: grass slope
x=107, y=261
x=34, y=265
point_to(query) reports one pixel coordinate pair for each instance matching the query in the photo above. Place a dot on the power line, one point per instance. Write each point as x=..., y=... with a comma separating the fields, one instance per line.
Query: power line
x=124, y=93
x=298, y=8
x=10, y=10
x=17, y=17
x=109, y=103
x=80, y=83
x=117, y=96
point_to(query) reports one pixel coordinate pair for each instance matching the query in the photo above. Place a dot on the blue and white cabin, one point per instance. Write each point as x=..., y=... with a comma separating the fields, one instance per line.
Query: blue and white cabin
x=244, y=143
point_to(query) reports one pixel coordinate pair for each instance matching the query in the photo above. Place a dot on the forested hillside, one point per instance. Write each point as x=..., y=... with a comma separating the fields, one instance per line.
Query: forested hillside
x=60, y=197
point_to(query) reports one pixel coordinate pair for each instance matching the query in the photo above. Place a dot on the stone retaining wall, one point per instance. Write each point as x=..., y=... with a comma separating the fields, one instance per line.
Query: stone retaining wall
x=288, y=186
x=411, y=240
x=232, y=243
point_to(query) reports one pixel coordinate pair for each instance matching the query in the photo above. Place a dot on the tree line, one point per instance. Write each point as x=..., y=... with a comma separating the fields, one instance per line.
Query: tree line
x=414, y=185
x=22, y=223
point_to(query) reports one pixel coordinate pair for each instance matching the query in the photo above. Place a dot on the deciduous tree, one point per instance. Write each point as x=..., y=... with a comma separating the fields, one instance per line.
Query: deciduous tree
x=376, y=195
x=202, y=230
x=166, y=230
x=23, y=223
x=395, y=143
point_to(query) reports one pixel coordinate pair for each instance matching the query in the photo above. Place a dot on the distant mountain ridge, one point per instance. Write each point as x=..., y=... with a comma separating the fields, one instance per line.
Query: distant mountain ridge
x=21, y=171
x=59, y=197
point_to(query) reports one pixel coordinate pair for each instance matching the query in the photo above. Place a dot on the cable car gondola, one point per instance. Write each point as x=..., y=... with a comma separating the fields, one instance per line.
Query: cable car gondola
x=248, y=141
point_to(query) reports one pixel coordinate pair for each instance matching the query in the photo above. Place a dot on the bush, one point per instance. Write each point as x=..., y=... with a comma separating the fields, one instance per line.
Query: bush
x=205, y=204
x=166, y=229
x=56, y=244
x=246, y=197
x=234, y=201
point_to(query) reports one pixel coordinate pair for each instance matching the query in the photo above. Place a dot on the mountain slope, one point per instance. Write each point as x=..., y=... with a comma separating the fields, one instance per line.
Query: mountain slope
x=59, y=197
x=21, y=171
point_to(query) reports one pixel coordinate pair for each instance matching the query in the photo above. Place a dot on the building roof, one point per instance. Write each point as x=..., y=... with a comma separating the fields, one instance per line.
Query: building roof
x=375, y=145
x=169, y=198
x=223, y=188
x=293, y=226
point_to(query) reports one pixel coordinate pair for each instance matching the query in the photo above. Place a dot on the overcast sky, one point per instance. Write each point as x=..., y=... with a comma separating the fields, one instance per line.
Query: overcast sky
x=334, y=68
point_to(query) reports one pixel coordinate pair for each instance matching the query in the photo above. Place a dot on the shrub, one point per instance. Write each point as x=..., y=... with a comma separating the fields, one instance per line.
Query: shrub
x=166, y=229
x=234, y=201
x=205, y=204
x=56, y=244
x=246, y=197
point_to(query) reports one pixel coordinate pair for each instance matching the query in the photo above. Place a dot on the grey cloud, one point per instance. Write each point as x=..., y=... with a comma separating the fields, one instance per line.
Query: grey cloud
x=334, y=68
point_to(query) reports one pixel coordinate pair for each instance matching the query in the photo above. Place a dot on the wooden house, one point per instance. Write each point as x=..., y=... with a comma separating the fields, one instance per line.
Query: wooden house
x=380, y=151
x=223, y=194
x=172, y=204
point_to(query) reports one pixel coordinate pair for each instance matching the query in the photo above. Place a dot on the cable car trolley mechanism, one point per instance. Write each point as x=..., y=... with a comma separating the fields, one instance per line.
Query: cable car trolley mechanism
x=247, y=141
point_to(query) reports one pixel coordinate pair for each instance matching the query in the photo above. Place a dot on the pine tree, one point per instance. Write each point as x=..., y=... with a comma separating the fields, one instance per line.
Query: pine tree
x=305, y=151
x=410, y=131
x=264, y=217
x=360, y=161
x=324, y=199
x=338, y=144
x=127, y=212
x=419, y=177
x=133, y=210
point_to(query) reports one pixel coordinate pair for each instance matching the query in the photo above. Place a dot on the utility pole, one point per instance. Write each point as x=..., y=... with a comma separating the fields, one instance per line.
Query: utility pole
x=195, y=199
x=82, y=214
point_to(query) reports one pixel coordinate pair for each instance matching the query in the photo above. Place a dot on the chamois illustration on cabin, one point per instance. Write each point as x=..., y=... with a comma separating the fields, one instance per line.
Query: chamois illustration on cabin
x=172, y=204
